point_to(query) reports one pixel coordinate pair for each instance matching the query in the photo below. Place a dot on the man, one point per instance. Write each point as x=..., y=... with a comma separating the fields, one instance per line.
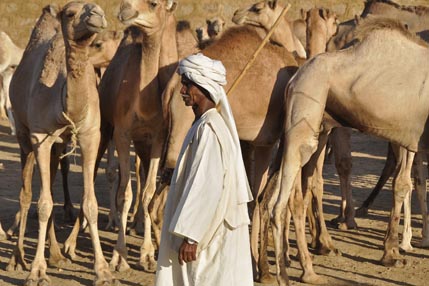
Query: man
x=205, y=236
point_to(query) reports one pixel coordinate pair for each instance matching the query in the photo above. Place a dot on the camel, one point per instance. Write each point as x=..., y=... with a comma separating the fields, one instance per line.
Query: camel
x=257, y=107
x=348, y=94
x=59, y=103
x=299, y=27
x=415, y=17
x=131, y=103
x=101, y=52
x=263, y=14
x=186, y=42
x=10, y=56
x=213, y=30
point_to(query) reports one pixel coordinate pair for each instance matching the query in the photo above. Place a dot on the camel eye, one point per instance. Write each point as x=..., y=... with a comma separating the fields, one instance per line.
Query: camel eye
x=153, y=4
x=70, y=14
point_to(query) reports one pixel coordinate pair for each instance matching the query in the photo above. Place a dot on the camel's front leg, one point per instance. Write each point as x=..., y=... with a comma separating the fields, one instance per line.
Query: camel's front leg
x=124, y=197
x=17, y=261
x=147, y=250
x=89, y=143
x=420, y=183
x=401, y=186
x=42, y=148
x=112, y=179
x=69, y=215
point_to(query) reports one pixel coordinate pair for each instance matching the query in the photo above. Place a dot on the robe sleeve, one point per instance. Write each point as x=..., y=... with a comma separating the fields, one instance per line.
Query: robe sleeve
x=202, y=189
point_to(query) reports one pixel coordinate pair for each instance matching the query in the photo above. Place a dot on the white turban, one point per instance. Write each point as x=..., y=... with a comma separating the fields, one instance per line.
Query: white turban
x=211, y=75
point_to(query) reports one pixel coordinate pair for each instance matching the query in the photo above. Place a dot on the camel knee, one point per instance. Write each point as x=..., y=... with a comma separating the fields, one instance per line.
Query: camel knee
x=344, y=166
x=44, y=209
x=90, y=210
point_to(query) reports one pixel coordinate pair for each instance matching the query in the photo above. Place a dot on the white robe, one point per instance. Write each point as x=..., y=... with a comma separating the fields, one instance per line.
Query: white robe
x=201, y=205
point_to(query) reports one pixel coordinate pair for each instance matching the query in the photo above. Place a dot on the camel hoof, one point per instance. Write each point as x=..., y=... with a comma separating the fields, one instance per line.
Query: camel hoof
x=347, y=226
x=314, y=279
x=267, y=278
x=361, y=212
x=113, y=282
x=406, y=247
x=148, y=265
x=44, y=282
x=326, y=251
x=30, y=282
x=392, y=262
x=59, y=262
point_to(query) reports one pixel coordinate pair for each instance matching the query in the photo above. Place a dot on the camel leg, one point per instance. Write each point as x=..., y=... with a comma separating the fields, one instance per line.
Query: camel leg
x=343, y=162
x=124, y=197
x=3, y=235
x=17, y=261
x=147, y=249
x=262, y=158
x=68, y=206
x=388, y=169
x=112, y=177
x=137, y=215
x=407, y=232
x=313, y=204
x=56, y=258
x=7, y=77
x=420, y=176
x=89, y=146
x=70, y=243
x=156, y=211
x=45, y=205
x=401, y=186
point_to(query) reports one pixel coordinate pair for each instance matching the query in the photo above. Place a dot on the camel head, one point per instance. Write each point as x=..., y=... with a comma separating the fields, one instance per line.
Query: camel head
x=103, y=48
x=215, y=26
x=322, y=25
x=262, y=14
x=80, y=21
x=148, y=15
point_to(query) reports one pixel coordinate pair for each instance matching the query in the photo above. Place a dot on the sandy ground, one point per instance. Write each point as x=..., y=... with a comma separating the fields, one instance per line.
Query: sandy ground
x=361, y=249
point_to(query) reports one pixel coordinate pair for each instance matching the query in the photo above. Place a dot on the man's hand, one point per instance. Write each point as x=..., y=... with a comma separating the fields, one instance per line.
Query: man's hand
x=187, y=252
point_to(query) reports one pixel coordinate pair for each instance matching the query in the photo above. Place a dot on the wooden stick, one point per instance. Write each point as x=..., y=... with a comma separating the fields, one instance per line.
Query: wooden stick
x=255, y=54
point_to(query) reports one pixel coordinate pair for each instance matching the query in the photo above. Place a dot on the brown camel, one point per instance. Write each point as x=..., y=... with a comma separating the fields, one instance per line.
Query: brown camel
x=264, y=14
x=256, y=104
x=131, y=103
x=10, y=55
x=59, y=103
x=347, y=93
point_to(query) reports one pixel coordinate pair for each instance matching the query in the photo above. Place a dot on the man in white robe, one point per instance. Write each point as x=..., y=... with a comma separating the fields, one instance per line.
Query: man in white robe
x=205, y=236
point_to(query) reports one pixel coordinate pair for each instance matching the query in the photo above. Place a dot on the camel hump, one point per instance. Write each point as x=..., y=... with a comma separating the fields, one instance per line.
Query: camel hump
x=54, y=61
x=374, y=23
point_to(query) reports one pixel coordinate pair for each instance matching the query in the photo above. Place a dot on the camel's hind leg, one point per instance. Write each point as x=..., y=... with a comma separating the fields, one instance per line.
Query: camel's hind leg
x=17, y=261
x=340, y=138
x=313, y=183
x=401, y=186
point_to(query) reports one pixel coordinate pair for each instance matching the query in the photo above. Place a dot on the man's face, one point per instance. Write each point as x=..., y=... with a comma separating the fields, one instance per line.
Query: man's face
x=191, y=95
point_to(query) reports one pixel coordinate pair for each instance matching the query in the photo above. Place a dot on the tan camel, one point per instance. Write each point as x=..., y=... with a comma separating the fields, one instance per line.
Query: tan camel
x=415, y=17
x=59, y=103
x=256, y=103
x=263, y=14
x=299, y=27
x=348, y=93
x=101, y=52
x=10, y=55
x=186, y=41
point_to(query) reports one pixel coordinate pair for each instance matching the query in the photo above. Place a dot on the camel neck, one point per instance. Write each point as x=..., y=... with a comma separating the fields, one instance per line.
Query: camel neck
x=149, y=65
x=80, y=79
x=46, y=28
x=168, y=57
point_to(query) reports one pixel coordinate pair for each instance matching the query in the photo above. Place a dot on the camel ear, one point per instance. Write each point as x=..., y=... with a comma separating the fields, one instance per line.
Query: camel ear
x=358, y=19
x=303, y=14
x=324, y=13
x=171, y=5
x=272, y=4
x=208, y=22
x=52, y=9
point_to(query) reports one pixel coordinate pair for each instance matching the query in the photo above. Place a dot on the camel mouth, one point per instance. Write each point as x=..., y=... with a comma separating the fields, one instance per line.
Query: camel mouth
x=128, y=16
x=238, y=19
